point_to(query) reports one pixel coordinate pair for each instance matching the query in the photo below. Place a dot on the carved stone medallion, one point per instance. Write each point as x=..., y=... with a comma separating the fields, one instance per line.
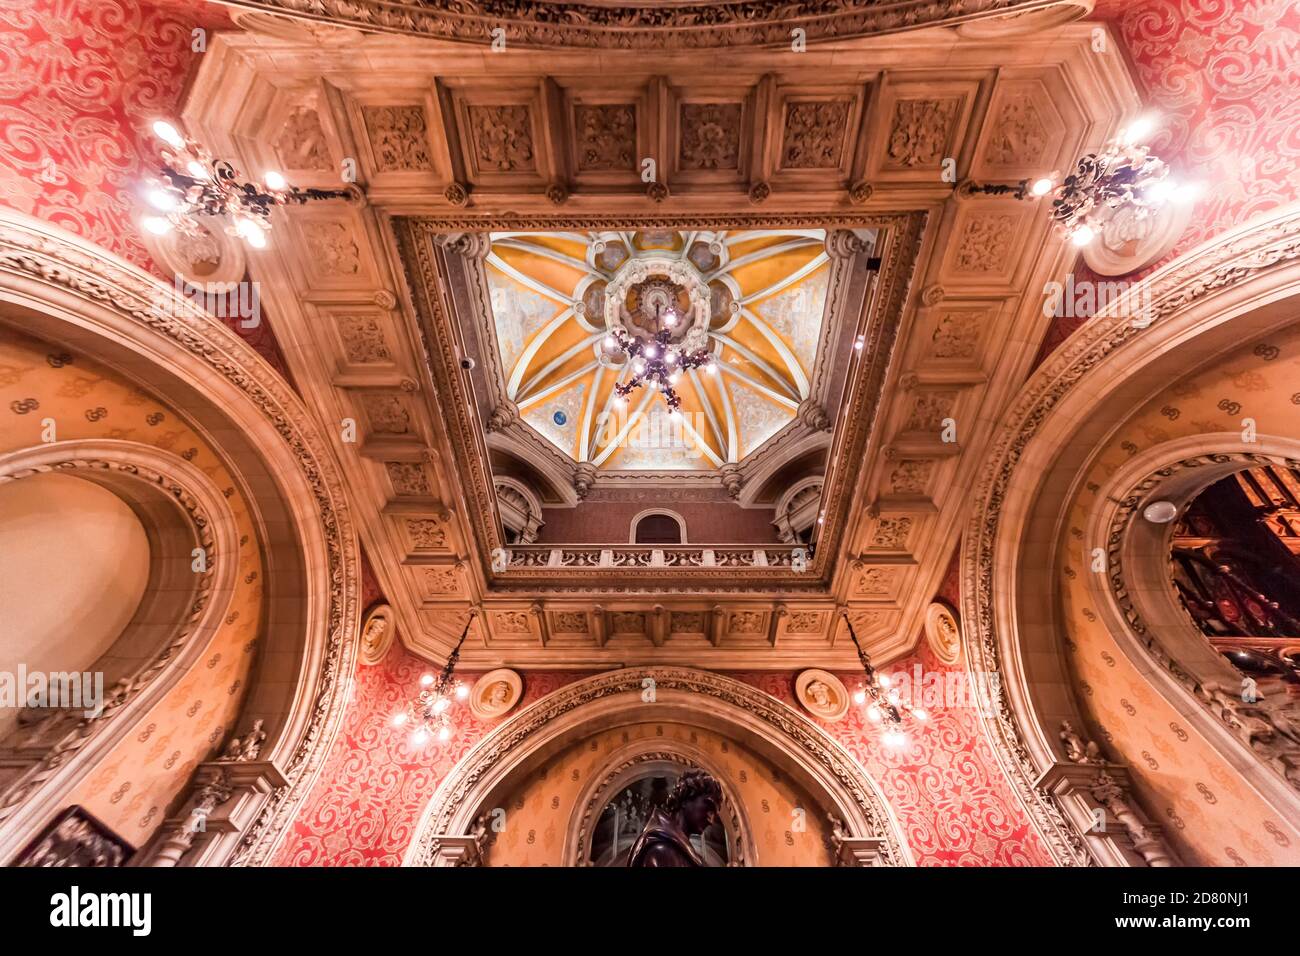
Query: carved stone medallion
x=496, y=693
x=822, y=694
x=942, y=633
x=377, y=631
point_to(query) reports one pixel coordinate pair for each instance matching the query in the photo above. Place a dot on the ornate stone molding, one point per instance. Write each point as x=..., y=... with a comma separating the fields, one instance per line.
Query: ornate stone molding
x=105, y=298
x=1108, y=339
x=782, y=734
x=685, y=26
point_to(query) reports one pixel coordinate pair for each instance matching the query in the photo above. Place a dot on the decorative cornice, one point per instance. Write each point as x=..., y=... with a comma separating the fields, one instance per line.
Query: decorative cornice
x=642, y=26
x=1209, y=269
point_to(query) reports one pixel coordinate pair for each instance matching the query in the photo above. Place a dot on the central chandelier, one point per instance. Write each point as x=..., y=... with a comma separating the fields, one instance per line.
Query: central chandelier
x=429, y=713
x=656, y=361
x=193, y=184
x=884, y=702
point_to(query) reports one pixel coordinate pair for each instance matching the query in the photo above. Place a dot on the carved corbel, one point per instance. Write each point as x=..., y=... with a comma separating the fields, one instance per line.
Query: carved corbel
x=226, y=798
x=731, y=478
x=1094, y=791
x=503, y=416
x=584, y=477
x=813, y=416
x=599, y=625
x=717, y=624
x=854, y=851
x=774, y=623
x=844, y=244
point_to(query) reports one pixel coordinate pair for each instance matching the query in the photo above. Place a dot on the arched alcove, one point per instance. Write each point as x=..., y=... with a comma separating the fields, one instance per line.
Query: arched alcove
x=657, y=526
x=656, y=697
x=64, y=289
x=74, y=564
x=1022, y=536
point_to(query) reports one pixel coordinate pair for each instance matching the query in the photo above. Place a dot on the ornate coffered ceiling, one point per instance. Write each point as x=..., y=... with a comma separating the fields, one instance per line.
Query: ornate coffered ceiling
x=472, y=163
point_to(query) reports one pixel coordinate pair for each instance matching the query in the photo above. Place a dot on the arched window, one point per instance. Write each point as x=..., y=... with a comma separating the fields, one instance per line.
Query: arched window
x=658, y=527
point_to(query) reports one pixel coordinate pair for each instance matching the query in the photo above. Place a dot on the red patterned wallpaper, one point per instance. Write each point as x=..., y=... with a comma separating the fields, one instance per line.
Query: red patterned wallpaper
x=81, y=82
x=368, y=800
x=1224, y=78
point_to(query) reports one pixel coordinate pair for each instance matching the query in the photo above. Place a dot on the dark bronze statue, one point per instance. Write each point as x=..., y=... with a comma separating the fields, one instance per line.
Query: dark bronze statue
x=691, y=807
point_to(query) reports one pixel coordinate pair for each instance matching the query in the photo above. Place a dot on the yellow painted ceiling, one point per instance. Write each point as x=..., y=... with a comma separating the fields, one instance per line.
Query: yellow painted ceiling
x=767, y=291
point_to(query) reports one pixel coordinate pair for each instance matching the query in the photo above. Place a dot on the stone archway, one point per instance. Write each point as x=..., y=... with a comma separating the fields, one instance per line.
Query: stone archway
x=1228, y=291
x=444, y=835
x=64, y=289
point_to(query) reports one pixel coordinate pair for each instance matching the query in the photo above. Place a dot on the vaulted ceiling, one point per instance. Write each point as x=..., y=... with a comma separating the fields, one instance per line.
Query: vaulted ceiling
x=553, y=303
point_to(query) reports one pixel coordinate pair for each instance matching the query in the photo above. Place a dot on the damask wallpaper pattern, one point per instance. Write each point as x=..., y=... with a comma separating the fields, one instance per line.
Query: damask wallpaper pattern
x=81, y=82
x=132, y=787
x=1210, y=814
x=1223, y=76
x=945, y=787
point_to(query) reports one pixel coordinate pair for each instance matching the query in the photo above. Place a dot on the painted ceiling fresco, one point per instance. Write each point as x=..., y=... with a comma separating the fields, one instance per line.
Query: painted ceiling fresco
x=755, y=299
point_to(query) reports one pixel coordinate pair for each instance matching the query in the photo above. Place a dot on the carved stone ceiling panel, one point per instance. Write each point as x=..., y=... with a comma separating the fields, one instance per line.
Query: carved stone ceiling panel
x=814, y=190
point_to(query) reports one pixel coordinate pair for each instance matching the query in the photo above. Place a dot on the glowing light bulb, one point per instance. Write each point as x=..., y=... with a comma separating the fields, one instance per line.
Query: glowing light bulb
x=672, y=379
x=196, y=169
x=399, y=720
x=1187, y=192
x=671, y=357
x=611, y=342
x=426, y=680
x=1160, y=191
x=420, y=737
x=711, y=368
x=1082, y=236
x=860, y=698
x=651, y=351
x=893, y=696
x=444, y=733
x=461, y=691
x=257, y=239
x=873, y=713
x=157, y=225
x=861, y=340
x=275, y=181
x=168, y=133
x=670, y=319
x=440, y=705
x=894, y=738
x=1138, y=130
x=161, y=199
x=1041, y=187
x=920, y=715
x=883, y=680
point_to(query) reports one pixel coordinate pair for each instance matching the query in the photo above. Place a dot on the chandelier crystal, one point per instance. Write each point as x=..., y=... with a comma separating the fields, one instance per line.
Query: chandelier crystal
x=193, y=184
x=884, y=703
x=656, y=361
x=430, y=712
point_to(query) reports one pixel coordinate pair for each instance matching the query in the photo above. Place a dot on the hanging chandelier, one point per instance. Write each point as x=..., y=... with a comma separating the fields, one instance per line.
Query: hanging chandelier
x=1124, y=178
x=884, y=703
x=656, y=362
x=193, y=184
x=429, y=713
